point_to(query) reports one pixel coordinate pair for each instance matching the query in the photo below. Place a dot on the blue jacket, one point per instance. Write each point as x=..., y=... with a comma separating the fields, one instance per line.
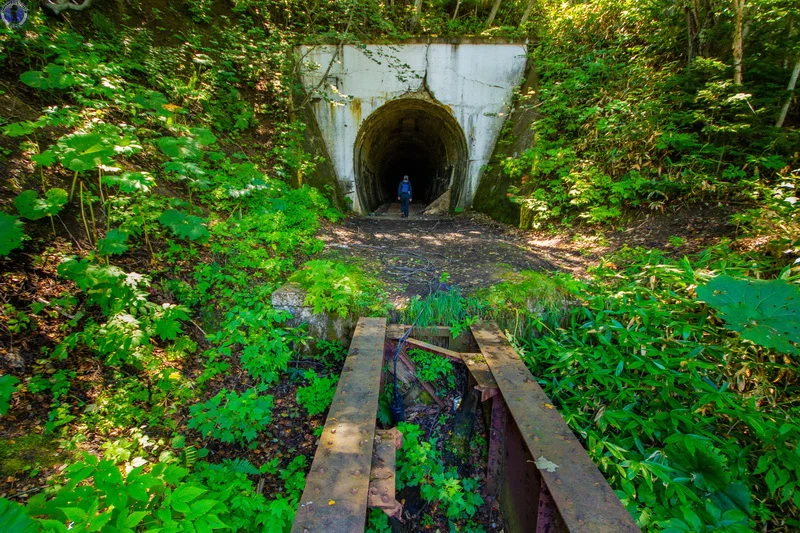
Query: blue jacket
x=400, y=188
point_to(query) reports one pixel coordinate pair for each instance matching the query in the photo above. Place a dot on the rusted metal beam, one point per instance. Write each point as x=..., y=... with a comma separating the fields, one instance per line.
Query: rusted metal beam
x=450, y=354
x=395, y=331
x=581, y=495
x=497, y=432
x=336, y=492
x=427, y=386
x=437, y=335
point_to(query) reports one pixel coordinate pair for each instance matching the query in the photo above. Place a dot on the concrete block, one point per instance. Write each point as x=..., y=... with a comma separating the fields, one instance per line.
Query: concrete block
x=291, y=297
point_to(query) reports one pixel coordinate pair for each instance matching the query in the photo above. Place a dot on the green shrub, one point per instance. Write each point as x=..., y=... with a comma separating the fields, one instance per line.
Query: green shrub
x=689, y=423
x=431, y=367
x=419, y=463
x=338, y=288
x=233, y=417
x=317, y=396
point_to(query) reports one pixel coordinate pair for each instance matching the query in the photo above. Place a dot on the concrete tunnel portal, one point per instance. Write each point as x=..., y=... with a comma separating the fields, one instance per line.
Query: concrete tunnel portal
x=414, y=137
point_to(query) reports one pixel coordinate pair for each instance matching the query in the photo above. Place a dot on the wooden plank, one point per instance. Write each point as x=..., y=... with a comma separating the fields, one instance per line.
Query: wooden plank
x=336, y=492
x=476, y=364
x=582, y=496
x=382, y=476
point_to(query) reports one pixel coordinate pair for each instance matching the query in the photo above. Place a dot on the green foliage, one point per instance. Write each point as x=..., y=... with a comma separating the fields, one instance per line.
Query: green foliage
x=766, y=312
x=431, y=367
x=113, y=243
x=679, y=414
x=32, y=207
x=131, y=320
x=377, y=522
x=419, y=463
x=51, y=77
x=527, y=303
x=184, y=225
x=442, y=308
x=338, y=288
x=625, y=120
x=14, y=518
x=14, y=319
x=161, y=497
x=81, y=152
x=330, y=353
x=233, y=417
x=317, y=396
x=8, y=386
x=10, y=233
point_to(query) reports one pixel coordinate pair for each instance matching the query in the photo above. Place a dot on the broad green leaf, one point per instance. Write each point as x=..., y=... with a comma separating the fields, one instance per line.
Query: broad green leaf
x=168, y=326
x=151, y=100
x=14, y=518
x=113, y=243
x=32, y=207
x=183, y=225
x=10, y=233
x=18, y=129
x=84, y=151
x=51, y=77
x=187, y=493
x=134, y=518
x=45, y=159
x=25, y=202
x=201, y=507
x=734, y=496
x=8, y=386
x=74, y=514
x=180, y=147
x=130, y=181
x=766, y=312
x=203, y=136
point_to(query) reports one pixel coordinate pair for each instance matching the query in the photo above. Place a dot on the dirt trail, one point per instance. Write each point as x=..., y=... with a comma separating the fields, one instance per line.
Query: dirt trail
x=411, y=254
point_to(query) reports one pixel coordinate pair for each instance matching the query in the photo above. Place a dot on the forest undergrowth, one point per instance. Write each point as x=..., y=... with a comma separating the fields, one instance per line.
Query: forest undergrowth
x=152, y=202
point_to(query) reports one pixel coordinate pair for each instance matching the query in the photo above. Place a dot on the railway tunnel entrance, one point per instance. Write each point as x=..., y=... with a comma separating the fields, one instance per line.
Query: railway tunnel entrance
x=414, y=137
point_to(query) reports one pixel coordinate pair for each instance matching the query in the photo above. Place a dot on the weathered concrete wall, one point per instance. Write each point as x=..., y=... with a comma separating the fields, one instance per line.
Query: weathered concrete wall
x=516, y=137
x=324, y=175
x=291, y=297
x=474, y=81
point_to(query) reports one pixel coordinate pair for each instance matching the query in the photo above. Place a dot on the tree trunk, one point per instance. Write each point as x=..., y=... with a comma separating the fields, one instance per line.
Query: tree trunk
x=455, y=13
x=528, y=11
x=417, y=14
x=738, y=37
x=691, y=33
x=790, y=89
x=495, y=7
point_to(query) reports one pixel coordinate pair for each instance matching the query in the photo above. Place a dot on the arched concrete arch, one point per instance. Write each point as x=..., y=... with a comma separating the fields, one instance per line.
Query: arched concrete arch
x=412, y=136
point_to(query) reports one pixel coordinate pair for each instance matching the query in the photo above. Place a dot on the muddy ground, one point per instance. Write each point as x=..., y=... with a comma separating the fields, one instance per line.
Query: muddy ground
x=411, y=254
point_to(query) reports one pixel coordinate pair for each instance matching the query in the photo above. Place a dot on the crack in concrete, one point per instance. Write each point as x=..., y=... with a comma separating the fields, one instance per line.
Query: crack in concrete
x=424, y=84
x=475, y=81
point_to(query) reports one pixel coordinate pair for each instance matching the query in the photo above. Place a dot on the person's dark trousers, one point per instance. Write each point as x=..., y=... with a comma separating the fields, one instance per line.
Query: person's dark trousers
x=404, y=198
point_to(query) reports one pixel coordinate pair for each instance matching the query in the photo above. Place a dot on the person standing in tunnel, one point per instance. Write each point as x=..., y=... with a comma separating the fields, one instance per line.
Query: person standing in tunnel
x=404, y=195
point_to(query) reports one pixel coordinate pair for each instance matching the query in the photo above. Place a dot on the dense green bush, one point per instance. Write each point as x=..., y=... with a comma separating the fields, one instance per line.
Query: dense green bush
x=694, y=427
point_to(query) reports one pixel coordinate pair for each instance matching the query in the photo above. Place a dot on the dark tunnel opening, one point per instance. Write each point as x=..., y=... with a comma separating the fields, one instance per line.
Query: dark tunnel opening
x=411, y=137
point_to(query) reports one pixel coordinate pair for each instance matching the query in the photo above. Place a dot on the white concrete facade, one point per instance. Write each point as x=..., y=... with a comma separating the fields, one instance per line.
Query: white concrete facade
x=474, y=81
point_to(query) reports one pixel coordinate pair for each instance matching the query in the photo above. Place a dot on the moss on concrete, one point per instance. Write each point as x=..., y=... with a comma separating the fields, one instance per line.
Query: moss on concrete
x=324, y=175
x=516, y=137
